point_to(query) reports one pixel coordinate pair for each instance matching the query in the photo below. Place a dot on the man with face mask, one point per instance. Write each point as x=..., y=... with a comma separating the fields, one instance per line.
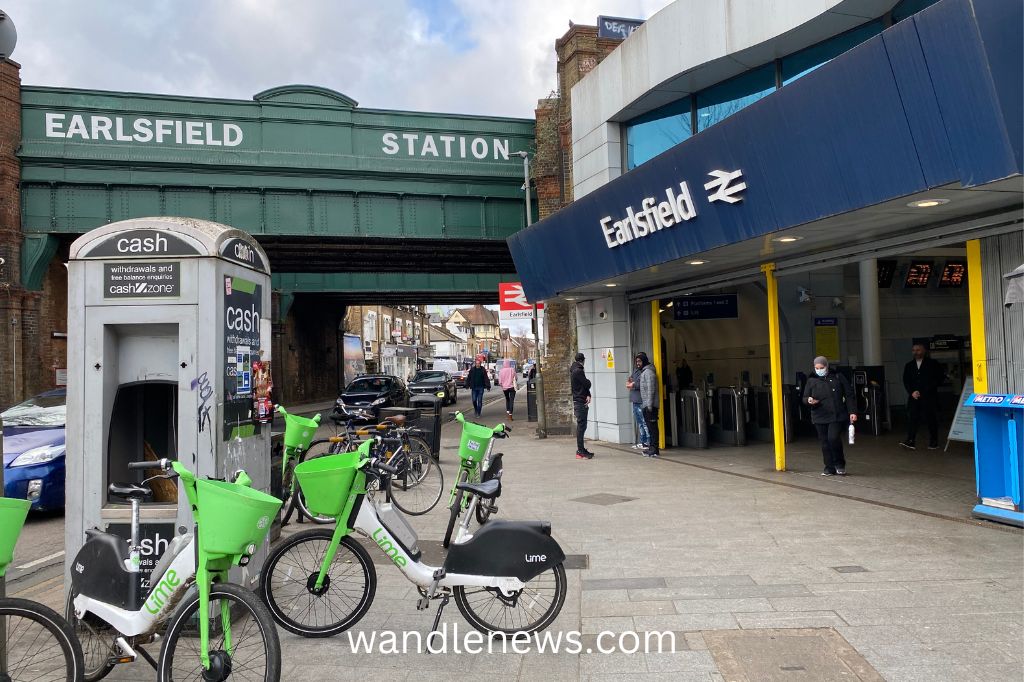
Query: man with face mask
x=828, y=394
x=921, y=379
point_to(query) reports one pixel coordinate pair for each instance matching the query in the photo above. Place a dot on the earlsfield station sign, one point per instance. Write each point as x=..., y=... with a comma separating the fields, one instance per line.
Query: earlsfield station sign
x=676, y=207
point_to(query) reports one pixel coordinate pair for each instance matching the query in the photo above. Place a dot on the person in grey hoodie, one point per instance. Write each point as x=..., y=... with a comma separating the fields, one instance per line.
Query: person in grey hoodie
x=650, y=399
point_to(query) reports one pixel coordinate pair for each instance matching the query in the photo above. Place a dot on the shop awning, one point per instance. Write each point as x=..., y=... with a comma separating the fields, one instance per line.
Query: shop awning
x=931, y=108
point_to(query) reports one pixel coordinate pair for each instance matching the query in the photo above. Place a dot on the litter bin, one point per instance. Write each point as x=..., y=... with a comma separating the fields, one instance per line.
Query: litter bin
x=430, y=420
x=531, y=400
x=999, y=456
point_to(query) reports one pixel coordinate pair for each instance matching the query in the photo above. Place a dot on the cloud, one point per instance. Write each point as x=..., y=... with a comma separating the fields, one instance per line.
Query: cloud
x=452, y=56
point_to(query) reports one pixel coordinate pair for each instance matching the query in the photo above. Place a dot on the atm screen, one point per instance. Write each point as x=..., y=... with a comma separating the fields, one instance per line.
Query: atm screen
x=918, y=275
x=953, y=274
x=886, y=272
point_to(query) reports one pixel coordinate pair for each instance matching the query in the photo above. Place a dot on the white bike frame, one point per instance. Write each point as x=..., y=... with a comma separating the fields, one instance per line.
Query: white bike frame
x=369, y=524
x=161, y=600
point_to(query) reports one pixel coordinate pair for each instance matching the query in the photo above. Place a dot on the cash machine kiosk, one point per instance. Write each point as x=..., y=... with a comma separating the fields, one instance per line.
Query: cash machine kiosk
x=168, y=355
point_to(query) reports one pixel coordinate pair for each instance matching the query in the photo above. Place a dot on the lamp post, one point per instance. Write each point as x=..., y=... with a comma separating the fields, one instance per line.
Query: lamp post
x=542, y=423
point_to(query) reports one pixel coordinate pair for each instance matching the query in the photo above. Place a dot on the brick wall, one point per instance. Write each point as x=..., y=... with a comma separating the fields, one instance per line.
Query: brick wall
x=578, y=51
x=306, y=351
x=13, y=337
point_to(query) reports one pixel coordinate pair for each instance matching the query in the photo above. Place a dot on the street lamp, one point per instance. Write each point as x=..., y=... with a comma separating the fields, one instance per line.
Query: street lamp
x=542, y=423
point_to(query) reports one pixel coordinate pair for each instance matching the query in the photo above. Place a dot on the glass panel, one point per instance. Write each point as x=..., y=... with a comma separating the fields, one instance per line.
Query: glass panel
x=802, y=63
x=725, y=99
x=657, y=131
x=908, y=7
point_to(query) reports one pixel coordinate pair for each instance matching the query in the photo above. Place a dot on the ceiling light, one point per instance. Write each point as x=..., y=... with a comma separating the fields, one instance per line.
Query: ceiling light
x=611, y=285
x=927, y=203
x=787, y=240
x=696, y=262
x=570, y=298
x=670, y=304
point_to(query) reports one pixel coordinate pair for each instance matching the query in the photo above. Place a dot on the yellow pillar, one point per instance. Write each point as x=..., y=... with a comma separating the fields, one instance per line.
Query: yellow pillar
x=979, y=356
x=775, y=352
x=658, y=365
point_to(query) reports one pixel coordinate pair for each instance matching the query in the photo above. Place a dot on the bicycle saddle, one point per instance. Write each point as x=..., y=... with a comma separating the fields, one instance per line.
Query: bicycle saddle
x=396, y=419
x=129, y=491
x=487, y=490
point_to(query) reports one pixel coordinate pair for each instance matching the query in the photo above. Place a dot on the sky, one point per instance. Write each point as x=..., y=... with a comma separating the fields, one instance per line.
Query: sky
x=486, y=57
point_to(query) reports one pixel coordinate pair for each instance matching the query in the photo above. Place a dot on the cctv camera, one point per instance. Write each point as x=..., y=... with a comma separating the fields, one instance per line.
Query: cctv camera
x=805, y=294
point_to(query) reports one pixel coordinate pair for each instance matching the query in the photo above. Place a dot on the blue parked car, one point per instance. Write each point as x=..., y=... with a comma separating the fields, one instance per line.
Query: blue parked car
x=34, y=450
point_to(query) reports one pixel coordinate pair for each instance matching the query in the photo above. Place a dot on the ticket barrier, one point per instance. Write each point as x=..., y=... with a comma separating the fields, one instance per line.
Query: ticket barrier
x=729, y=418
x=759, y=414
x=693, y=426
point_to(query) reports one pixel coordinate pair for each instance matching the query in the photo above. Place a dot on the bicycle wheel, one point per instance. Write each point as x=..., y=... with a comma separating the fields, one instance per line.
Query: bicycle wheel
x=454, y=509
x=289, y=575
x=255, y=650
x=418, y=486
x=483, y=511
x=39, y=644
x=97, y=640
x=300, y=500
x=529, y=610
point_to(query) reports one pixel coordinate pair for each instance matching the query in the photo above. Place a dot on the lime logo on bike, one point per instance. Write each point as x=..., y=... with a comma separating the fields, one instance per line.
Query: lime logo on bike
x=390, y=549
x=263, y=522
x=536, y=558
x=162, y=591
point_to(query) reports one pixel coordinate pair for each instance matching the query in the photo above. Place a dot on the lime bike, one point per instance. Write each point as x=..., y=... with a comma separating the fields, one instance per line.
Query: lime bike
x=509, y=578
x=477, y=465
x=215, y=630
x=36, y=643
x=298, y=441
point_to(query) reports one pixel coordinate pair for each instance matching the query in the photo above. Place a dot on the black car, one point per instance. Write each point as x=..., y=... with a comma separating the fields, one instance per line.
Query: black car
x=433, y=382
x=371, y=392
x=460, y=378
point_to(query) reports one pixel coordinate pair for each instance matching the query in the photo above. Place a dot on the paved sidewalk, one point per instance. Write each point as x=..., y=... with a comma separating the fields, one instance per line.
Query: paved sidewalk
x=756, y=580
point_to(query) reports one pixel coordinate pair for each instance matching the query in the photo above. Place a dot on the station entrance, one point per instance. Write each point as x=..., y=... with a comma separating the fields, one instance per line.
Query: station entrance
x=715, y=369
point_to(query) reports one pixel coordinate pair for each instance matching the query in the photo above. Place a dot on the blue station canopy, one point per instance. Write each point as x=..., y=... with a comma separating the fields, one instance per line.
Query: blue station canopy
x=933, y=102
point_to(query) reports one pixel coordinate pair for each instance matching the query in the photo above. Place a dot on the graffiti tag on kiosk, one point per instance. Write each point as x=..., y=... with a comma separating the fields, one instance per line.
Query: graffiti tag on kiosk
x=202, y=382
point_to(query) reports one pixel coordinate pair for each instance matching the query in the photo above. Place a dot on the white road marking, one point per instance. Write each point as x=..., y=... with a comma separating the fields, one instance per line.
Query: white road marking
x=45, y=559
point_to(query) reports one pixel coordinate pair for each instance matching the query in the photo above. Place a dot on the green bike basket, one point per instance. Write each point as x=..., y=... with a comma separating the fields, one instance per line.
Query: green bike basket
x=232, y=517
x=326, y=481
x=299, y=431
x=12, y=518
x=475, y=439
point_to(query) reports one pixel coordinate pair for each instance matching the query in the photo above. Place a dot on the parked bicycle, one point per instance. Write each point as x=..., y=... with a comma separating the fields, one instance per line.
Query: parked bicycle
x=478, y=466
x=508, y=578
x=114, y=618
x=37, y=643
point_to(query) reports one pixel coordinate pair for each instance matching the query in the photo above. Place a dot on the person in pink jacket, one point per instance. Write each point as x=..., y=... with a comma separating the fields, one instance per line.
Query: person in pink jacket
x=507, y=381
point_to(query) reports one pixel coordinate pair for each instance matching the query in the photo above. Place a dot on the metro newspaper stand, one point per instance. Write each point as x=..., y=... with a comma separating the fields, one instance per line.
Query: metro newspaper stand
x=168, y=349
x=999, y=456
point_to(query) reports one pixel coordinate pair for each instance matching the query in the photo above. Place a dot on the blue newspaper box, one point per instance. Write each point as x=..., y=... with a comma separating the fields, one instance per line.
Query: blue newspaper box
x=999, y=456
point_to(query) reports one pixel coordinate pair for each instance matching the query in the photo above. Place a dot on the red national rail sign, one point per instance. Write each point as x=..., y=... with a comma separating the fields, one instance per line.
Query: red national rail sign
x=512, y=302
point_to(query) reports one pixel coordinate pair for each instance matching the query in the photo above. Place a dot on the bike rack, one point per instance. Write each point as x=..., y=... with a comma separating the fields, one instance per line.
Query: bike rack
x=693, y=432
x=729, y=408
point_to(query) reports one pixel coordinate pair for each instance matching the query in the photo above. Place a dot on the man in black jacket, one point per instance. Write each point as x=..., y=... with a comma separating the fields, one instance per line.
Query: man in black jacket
x=580, y=385
x=921, y=379
x=828, y=394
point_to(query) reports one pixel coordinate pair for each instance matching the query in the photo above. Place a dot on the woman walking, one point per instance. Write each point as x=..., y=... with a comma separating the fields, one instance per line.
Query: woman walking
x=829, y=395
x=507, y=381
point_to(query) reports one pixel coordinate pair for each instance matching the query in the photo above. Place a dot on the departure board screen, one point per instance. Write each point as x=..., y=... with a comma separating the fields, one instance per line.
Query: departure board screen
x=886, y=272
x=918, y=275
x=953, y=275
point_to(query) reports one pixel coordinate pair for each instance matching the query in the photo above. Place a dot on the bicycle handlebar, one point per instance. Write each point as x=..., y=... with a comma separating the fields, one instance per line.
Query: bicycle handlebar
x=378, y=464
x=164, y=464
